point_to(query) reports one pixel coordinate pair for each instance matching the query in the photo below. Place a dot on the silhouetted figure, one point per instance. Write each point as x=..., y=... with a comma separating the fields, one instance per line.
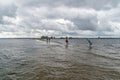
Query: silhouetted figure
x=66, y=40
x=48, y=40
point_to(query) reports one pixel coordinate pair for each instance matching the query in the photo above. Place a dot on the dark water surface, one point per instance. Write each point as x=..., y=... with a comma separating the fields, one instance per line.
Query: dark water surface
x=27, y=59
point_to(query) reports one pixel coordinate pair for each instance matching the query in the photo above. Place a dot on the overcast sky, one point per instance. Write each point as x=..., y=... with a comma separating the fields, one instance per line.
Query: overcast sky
x=34, y=18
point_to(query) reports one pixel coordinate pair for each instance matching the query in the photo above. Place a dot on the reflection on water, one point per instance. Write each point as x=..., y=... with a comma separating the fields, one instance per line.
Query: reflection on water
x=25, y=59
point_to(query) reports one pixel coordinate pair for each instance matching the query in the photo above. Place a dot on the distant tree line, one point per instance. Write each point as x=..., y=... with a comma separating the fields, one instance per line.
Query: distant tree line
x=46, y=37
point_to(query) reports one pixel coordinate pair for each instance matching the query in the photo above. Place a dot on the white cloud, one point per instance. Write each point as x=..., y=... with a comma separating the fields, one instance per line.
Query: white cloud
x=6, y=2
x=13, y=20
x=33, y=18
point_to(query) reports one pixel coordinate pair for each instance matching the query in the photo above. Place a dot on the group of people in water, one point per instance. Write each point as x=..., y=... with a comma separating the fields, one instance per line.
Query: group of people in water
x=48, y=40
x=89, y=42
x=67, y=42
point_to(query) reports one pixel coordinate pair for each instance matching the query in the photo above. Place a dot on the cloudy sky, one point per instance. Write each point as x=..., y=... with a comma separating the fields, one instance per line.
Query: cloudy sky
x=84, y=18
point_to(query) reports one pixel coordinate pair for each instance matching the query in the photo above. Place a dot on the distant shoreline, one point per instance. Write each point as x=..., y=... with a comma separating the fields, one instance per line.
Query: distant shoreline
x=59, y=38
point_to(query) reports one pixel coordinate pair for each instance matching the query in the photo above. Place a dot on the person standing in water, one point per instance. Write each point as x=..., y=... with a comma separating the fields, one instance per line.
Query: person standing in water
x=49, y=39
x=66, y=40
x=90, y=43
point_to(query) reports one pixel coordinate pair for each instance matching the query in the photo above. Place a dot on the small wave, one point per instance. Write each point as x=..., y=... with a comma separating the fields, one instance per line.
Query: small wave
x=102, y=56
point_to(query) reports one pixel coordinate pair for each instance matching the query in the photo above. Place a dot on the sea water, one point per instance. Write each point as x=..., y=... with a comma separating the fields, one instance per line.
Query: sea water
x=31, y=59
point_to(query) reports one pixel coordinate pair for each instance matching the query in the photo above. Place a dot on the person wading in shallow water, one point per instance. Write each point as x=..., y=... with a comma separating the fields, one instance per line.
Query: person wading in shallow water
x=66, y=40
x=90, y=43
x=48, y=40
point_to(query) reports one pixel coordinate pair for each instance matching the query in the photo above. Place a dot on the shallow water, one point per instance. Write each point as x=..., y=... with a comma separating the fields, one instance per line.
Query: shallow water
x=27, y=59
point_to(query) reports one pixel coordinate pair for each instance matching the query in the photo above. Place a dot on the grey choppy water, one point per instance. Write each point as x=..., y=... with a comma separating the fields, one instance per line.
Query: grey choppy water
x=27, y=59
